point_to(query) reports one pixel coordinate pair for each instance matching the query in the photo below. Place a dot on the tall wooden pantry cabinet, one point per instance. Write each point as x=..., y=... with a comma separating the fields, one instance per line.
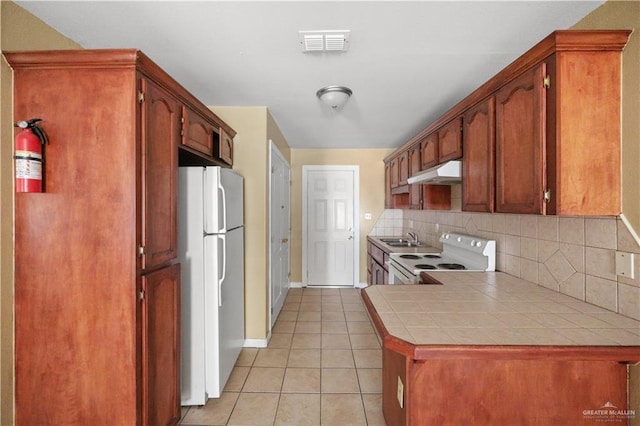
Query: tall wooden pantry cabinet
x=97, y=282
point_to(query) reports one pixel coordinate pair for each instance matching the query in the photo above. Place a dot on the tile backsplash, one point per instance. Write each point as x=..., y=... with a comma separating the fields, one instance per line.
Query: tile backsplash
x=571, y=255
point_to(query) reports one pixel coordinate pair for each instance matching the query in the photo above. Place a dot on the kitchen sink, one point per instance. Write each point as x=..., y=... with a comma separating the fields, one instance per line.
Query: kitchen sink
x=400, y=242
x=394, y=240
x=404, y=244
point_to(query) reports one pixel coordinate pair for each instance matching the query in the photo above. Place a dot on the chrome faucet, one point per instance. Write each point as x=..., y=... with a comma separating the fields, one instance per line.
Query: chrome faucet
x=414, y=236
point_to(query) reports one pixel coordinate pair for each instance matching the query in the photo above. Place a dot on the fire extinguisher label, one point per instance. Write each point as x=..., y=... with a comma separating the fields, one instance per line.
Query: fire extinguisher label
x=28, y=168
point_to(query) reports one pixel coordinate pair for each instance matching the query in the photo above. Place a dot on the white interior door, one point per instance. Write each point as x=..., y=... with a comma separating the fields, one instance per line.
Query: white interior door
x=330, y=226
x=279, y=230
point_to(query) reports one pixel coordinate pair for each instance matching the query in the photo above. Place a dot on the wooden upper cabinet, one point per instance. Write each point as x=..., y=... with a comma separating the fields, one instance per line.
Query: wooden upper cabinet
x=520, y=148
x=478, y=163
x=558, y=133
x=160, y=138
x=197, y=131
x=225, y=147
x=403, y=168
x=583, y=138
x=450, y=140
x=429, y=151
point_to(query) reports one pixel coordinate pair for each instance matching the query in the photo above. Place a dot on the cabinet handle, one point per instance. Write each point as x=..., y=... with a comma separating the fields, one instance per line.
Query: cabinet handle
x=547, y=196
x=141, y=250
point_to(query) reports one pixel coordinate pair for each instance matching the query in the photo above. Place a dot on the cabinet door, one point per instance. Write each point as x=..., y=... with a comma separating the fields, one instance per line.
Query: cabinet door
x=450, y=140
x=388, y=200
x=160, y=138
x=378, y=274
x=429, y=151
x=414, y=160
x=478, y=163
x=225, y=148
x=415, y=193
x=403, y=167
x=197, y=132
x=160, y=346
x=520, y=144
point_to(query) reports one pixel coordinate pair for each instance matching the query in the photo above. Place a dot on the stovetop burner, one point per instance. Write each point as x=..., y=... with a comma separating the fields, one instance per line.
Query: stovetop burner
x=409, y=256
x=455, y=266
x=432, y=256
x=425, y=266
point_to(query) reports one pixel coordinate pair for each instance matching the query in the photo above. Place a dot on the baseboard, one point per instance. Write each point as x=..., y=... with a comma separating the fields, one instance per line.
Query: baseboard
x=256, y=343
x=300, y=285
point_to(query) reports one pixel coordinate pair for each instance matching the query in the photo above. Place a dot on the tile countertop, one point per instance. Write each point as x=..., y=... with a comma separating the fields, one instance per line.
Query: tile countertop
x=493, y=308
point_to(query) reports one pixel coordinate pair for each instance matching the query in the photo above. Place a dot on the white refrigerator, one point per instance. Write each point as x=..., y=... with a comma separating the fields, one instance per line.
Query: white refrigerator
x=211, y=252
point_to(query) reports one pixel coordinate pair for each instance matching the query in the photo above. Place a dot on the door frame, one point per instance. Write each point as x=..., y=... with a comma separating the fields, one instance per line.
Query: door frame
x=273, y=150
x=356, y=216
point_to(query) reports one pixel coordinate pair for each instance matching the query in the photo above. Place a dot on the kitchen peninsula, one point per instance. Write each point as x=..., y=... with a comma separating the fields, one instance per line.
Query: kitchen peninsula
x=490, y=348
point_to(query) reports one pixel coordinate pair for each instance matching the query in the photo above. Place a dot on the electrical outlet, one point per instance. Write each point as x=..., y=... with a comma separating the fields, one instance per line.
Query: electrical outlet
x=624, y=264
x=368, y=216
x=400, y=393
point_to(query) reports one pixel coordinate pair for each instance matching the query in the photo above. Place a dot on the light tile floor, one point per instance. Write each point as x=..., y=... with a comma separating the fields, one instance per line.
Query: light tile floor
x=323, y=366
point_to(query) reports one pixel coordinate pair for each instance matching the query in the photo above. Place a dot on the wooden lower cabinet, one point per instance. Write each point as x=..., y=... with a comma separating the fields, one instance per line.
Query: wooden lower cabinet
x=461, y=390
x=377, y=271
x=161, y=346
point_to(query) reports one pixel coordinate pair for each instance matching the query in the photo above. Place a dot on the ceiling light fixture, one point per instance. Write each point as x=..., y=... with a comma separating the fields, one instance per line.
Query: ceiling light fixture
x=334, y=96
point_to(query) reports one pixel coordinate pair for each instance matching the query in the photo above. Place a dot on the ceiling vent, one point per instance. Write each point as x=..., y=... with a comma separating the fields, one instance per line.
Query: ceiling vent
x=324, y=41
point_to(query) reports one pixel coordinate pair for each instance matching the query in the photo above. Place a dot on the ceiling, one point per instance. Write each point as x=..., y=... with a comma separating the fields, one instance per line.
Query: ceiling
x=407, y=62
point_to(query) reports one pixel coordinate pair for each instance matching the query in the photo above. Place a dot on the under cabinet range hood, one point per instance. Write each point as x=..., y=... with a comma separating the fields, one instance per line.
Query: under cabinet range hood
x=445, y=173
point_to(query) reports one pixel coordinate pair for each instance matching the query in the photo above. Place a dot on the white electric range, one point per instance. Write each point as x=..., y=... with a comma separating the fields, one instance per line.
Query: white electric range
x=459, y=253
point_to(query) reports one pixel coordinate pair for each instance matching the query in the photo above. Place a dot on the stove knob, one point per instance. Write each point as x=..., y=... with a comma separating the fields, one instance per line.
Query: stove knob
x=459, y=239
x=479, y=244
x=445, y=236
x=473, y=243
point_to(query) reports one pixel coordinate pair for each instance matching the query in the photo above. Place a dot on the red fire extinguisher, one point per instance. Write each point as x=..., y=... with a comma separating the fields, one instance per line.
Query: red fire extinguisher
x=29, y=156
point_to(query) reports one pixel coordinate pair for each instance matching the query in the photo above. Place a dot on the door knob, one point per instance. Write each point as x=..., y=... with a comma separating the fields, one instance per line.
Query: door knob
x=285, y=240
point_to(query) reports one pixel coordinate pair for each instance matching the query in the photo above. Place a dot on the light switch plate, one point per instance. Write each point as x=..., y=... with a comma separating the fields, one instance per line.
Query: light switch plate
x=624, y=264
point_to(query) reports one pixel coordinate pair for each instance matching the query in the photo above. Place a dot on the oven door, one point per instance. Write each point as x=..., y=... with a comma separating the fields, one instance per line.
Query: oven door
x=399, y=275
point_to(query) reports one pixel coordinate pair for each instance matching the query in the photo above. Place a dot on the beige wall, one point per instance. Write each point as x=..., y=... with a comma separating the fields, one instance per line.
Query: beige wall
x=371, y=194
x=625, y=15
x=19, y=30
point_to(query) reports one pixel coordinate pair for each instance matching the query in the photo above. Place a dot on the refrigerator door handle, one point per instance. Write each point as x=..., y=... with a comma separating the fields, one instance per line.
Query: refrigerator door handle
x=224, y=207
x=223, y=238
